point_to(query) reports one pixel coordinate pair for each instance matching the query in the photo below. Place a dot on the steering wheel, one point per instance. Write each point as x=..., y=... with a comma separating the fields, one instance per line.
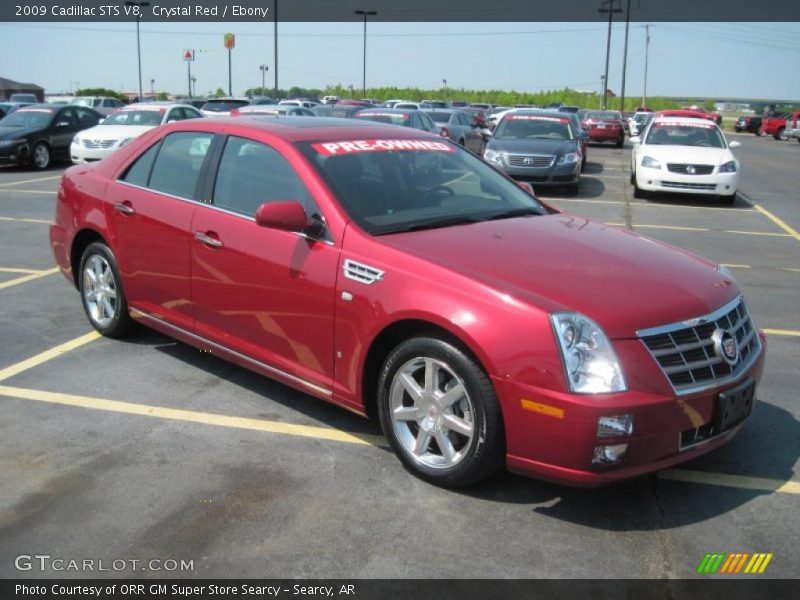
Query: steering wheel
x=427, y=199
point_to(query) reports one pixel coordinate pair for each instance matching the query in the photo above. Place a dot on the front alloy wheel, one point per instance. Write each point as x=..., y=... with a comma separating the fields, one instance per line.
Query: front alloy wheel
x=439, y=410
x=41, y=156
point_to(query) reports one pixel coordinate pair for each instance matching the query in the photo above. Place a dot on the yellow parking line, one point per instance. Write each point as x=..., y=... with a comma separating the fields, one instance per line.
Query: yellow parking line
x=10, y=270
x=735, y=481
x=700, y=229
x=648, y=204
x=35, y=361
x=730, y=266
x=30, y=191
x=146, y=410
x=779, y=222
x=24, y=181
x=789, y=332
x=26, y=220
x=27, y=278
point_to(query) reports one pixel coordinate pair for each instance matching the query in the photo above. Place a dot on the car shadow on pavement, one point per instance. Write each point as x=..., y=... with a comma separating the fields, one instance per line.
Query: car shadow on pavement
x=273, y=391
x=590, y=187
x=767, y=447
x=690, y=200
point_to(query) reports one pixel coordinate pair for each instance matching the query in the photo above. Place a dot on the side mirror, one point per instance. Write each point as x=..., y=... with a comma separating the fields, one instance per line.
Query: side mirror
x=734, y=144
x=526, y=187
x=635, y=140
x=288, y=215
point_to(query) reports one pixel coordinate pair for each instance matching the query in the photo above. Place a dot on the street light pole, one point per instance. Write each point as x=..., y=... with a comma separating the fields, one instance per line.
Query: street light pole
x=625, y=56
x=153, y=89
x=264, y=69
x=610, y=10
x=646, y=52
x=138, y=5
x=276, y=50
x=444, y=81
x=365, y=14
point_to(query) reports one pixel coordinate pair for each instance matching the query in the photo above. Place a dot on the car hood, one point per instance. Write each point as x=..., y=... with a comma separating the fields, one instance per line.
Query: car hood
x=687, y=154
x=622, y=280
x=17, y=132
x=531, y=146
x=115, y=132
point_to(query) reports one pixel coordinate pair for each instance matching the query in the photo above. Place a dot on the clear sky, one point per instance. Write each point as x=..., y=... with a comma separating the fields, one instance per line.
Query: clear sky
x=750, y=60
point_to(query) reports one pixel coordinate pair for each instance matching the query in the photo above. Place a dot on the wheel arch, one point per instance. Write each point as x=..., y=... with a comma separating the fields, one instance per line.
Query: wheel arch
x=80, y=242
x=393, y=334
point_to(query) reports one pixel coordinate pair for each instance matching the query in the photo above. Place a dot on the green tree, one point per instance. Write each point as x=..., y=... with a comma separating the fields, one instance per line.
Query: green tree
x=219, y=93
x=162, y=96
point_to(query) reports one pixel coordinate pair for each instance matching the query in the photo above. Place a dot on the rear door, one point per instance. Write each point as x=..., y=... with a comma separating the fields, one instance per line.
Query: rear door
x=152, y=204
x=265, y=293
x=65, y=126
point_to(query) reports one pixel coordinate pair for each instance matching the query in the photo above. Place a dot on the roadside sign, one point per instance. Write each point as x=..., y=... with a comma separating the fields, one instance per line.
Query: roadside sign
x=230, y=41
x=188, y=55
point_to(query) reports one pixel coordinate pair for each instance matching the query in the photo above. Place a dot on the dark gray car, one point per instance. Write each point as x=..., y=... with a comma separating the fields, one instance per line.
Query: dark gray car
x=541, y=147
x=407, y=118
x=459, y=127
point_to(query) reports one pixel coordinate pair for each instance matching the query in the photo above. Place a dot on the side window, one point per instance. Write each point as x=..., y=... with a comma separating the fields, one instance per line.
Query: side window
x=68, y=116
x=176, y=114
x=189, y=113
x=108, y=103
x=251, y=173
x=178, y=163
x=139, y=172
x=85, y=118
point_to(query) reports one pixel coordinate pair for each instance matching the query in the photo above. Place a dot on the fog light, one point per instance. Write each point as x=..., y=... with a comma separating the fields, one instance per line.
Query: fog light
x=608, y=455
x=616, y=426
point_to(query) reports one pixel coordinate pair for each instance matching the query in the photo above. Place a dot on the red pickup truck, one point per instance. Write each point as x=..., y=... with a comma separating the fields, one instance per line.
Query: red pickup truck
x=775, y=124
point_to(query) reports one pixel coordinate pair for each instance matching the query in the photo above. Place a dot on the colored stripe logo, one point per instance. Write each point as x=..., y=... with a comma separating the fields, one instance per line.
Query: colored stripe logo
x=735, y=563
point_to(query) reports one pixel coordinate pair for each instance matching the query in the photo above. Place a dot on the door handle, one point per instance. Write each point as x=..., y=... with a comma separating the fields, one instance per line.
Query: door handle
x=125, y=208
x=208, y=240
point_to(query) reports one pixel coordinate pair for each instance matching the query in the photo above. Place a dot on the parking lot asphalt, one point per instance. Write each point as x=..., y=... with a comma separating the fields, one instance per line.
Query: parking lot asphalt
x=149, y=449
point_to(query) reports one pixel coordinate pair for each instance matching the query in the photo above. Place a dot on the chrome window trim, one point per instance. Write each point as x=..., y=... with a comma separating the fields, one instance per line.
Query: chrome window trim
x=313, y=386
x=217, y=208
x=710, y=317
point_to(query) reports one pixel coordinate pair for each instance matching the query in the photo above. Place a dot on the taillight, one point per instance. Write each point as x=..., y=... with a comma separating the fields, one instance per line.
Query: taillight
x=235, y=112
x=444, y=132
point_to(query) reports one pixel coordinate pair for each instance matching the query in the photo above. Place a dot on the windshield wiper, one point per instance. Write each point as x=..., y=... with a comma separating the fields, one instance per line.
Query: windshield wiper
x=459, y=220
x=516, y=212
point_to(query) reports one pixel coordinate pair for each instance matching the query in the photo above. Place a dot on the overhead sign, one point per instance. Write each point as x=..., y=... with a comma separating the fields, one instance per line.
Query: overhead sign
x=230, y=41
x=188, y=55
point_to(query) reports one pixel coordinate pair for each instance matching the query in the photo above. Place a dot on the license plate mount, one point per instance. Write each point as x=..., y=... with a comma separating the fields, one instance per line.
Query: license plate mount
x=734, y=406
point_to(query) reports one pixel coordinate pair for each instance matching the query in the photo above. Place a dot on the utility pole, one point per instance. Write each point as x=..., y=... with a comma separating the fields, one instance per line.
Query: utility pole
x=137, y=7
x=153, y=89
x=365, y=14
x=192, y=86
x=625, y=57
x=264, y=69
x=276, y=49
x=444, y=81
x=610, y=10
x=646, y=52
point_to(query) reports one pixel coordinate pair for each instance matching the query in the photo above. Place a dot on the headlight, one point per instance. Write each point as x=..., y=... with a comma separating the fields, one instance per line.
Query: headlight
x=725, y=272
x=590, y=364
x=7, y=143
x=567, y=159
x=650, y=163
x=493, y=156
x=124, y=141
x=728, y=167
x=77, y=140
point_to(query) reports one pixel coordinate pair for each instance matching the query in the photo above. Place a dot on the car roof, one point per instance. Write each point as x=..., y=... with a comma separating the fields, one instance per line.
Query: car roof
x=679, y=119
x=394, y=111
x=297, y=129
x=557, y=114
x=162, y=104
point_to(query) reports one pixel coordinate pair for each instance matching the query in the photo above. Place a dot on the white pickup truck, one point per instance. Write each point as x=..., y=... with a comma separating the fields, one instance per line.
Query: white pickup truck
x=793, y=126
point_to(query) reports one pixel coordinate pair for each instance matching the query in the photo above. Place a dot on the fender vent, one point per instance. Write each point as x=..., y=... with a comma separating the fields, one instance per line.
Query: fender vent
x=361, y=272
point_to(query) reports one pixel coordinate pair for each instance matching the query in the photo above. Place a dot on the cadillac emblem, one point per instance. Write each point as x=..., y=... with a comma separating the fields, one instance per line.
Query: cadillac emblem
x=725, y=346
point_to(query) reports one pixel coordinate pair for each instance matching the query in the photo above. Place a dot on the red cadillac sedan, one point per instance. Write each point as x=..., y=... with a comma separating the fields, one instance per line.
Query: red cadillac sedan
x=395, y=274
x=604, y=126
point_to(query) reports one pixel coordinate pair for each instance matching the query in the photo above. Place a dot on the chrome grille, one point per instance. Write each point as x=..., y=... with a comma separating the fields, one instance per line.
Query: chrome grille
x=361, y=272
x=694, y=170
x=531, y=161
x=95, y=144
x=685, y=351
x=689, y=186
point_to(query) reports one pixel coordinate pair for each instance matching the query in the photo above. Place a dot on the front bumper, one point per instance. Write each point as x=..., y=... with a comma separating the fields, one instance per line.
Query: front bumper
x=14, y=155
x=567, y=174
x=662, y=180
x=604, y=135
x=81, y=155
x=557, y=440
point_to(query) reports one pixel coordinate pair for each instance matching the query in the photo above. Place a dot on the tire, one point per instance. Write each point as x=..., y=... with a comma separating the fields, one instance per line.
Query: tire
x=621, y=142
x=102, y=295
x=415, y=419
x=583, y=163
x=40, y=156
x=781, y=135
x=728, y=200
x=633, y=178
x=759, y=132
x=637, y=191
x=461, y=142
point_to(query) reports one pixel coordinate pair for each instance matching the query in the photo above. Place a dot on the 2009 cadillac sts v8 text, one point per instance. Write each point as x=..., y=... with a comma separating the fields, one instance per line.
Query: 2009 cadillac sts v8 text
x=396, y=274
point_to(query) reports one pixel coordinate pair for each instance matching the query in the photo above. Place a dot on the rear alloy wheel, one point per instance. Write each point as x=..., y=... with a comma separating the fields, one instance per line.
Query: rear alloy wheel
x=781, y=134
x=440, y=413
x=40, y=157
x=621, y=142
x=101, y=292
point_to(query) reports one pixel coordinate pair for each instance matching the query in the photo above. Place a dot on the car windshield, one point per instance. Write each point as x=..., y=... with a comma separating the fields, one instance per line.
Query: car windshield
x=135, y=117
x=641, y=117
x=685, y=134
x=88, y=102
x=534, y=127
x=604, y=114
x=29, y=117
x=396, y=185
x=380, y=117
x=223, y=105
